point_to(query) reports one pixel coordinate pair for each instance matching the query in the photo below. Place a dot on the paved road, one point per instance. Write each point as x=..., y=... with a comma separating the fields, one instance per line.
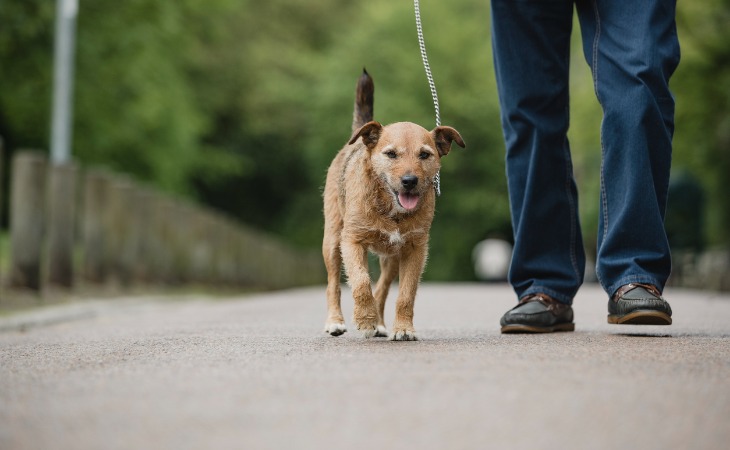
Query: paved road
x=258, y=373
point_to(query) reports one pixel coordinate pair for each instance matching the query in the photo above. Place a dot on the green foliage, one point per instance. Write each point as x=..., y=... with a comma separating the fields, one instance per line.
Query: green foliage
x=474, y=201
x=242, y=105
x=255, y=75
x=135, y=110
x=702, y=88
x=26, y=42
x=685, y=212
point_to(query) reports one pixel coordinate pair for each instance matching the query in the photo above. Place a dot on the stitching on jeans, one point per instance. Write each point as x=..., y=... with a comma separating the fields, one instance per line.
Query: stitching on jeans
x=597, y=36
x=573, y=211
x=604, y=199
x=568, y=179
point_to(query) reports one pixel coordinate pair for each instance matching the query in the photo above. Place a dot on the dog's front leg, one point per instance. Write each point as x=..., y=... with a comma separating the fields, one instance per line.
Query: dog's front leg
x=354, y=256
x=412, y=263
x=388, y=272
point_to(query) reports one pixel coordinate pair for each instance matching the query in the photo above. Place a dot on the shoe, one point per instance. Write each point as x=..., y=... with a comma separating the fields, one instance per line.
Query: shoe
x=639, y=304
x=538, y=313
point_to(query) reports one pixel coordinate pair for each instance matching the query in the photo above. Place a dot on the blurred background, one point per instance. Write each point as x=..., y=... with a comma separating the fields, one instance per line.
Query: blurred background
x=239, y=106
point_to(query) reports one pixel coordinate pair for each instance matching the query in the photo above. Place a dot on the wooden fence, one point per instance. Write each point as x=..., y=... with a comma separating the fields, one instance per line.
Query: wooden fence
x=70, y=227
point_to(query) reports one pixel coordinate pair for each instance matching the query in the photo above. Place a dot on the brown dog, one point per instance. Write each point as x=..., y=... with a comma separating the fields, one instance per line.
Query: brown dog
x=380, y=197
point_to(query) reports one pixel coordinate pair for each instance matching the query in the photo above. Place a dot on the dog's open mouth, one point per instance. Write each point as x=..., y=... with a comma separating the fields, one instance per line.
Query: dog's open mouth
x=407, y=200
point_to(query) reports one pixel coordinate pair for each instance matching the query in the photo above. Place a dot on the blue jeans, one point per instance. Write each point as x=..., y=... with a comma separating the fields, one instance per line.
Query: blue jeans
x=633, y=50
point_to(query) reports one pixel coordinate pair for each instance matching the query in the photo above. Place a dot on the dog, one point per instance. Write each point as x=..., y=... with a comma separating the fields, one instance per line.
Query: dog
x=380, y=196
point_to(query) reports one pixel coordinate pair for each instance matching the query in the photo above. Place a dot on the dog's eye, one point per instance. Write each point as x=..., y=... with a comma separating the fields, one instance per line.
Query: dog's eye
x=391, y=154
x=424, y=155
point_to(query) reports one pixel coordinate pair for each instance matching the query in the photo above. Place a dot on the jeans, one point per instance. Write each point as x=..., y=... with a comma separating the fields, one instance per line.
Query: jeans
x=632, y=49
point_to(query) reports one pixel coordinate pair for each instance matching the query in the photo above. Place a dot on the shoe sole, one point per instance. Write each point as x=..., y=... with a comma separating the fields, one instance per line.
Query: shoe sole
x=528, y=329
x=641, y=318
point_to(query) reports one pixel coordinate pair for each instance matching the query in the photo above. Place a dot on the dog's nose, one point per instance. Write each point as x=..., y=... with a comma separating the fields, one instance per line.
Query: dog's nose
x=409, y=182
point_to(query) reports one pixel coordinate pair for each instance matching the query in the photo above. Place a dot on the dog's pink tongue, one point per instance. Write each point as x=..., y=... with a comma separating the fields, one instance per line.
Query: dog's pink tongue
x=408, y=201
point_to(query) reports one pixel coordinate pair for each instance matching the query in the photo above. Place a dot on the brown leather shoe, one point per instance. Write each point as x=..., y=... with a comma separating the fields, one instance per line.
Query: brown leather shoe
x=538, y=313
x=639, y=304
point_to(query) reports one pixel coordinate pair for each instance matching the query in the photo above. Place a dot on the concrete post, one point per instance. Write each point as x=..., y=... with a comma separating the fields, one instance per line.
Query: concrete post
x=166, y=240
x=27, y=217
x=178, y=229
x=94, y=236
x=132, y=228
x=144, y=270
x=153, y=248
x=118, y=225
x=201, y=252
x=61, y=224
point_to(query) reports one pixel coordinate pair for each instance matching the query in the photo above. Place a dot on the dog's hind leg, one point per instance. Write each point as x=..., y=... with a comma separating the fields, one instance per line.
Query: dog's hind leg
x=388, y=272
x=335, y=324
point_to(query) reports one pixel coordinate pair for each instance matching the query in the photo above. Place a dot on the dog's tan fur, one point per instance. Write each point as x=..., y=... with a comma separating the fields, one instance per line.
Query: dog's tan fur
x=363, y=213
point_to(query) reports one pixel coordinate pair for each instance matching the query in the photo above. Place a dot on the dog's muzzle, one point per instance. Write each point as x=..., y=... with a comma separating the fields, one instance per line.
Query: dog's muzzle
x=408, y=199
x=409, y=182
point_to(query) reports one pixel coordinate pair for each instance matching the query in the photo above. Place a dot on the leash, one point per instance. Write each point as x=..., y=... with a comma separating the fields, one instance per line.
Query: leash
x=431, y=84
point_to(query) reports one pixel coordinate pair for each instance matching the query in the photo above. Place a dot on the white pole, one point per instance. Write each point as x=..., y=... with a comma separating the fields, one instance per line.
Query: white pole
x=66, y=11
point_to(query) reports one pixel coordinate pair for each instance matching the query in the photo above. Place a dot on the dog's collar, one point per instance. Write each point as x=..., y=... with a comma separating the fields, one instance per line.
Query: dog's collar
x=437, y=183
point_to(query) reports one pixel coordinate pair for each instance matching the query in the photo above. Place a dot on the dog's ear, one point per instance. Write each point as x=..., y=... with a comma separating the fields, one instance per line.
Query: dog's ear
x=370, y=133
x=443, y=136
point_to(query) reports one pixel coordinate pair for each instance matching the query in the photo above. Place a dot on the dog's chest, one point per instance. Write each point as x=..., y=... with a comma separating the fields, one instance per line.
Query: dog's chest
x=391, y=242
x=395, y=238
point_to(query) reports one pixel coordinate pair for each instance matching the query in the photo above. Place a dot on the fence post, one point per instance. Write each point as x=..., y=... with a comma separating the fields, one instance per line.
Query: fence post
x=154, y=249
x=144, y=260
x=130, y=231
x=27, y=204
x=200, y=253
x=118, y=227
x=166, y=243
x=61, y=223
x=95, y=240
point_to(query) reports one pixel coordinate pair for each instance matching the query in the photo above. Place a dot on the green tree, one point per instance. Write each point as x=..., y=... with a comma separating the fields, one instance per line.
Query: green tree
x=255, y=75
x=474, y=201
x=702, y=89
x=26, y=43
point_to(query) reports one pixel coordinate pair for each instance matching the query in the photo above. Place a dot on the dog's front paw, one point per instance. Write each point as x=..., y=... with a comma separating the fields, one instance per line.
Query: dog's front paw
x=334, y=328
x=403, y=335
x=381, y=331
x=368, y=330
x=366, y=319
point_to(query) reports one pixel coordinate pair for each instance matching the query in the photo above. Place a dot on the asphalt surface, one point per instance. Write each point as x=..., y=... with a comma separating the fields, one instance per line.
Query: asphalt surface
x=257, y=372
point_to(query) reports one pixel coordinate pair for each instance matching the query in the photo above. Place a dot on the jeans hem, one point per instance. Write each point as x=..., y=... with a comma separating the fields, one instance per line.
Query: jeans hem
x=566, y=299
x=645, y=279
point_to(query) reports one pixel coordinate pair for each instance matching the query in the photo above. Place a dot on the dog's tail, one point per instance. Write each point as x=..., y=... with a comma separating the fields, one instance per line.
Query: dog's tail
x=364, y=95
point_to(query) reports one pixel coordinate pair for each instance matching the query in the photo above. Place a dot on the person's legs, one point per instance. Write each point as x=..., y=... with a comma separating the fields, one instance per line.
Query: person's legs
x=531, y=43
x=632, y=48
